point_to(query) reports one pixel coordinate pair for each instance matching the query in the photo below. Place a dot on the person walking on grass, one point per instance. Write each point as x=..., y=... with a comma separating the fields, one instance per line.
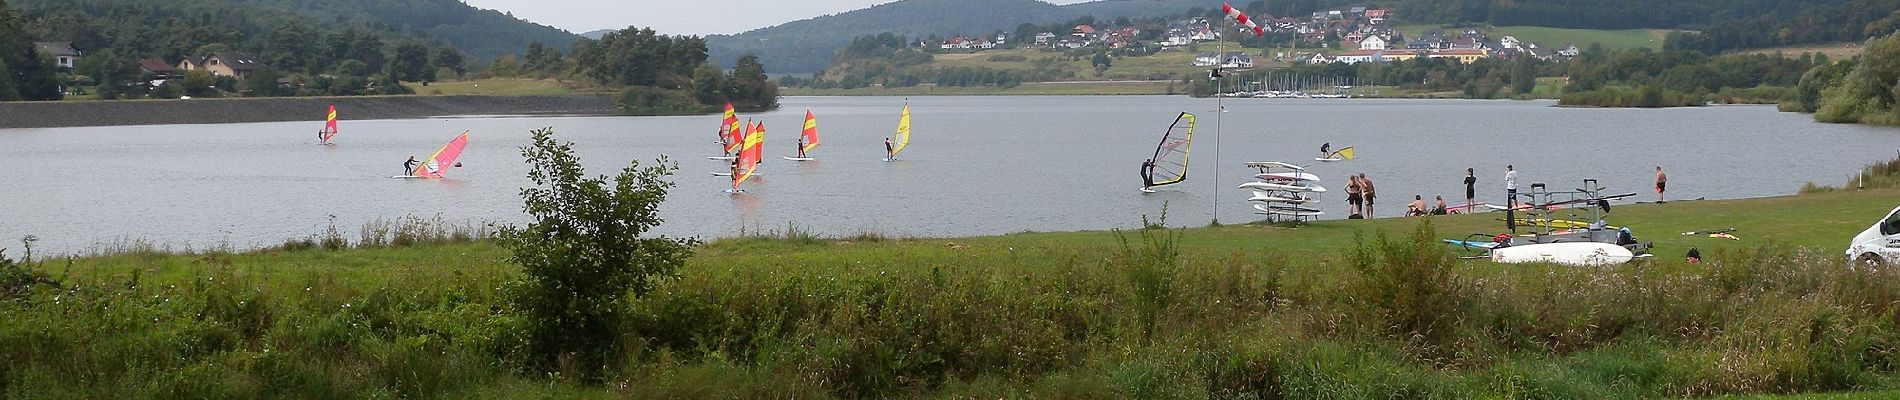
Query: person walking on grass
x=1661, y=181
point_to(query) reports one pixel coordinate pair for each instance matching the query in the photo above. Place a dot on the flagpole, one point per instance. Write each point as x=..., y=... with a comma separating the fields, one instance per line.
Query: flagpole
x=1220, y=107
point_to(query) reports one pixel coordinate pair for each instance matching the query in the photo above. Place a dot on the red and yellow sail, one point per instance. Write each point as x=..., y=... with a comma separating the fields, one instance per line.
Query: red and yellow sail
x=752, y=148
x=725, y=125
x=736, y=135
x=443, y=158
x=329, y=125
x=811, y=131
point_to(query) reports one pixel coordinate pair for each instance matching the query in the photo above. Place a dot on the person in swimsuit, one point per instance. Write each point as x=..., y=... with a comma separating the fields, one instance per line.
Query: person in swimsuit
x=1661, y=181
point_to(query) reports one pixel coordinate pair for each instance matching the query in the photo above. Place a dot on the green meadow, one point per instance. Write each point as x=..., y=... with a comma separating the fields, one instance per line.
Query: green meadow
x=1326, y=310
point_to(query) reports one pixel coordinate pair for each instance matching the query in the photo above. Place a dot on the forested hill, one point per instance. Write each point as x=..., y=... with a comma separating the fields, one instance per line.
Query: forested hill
x=807, y=46
x=92, y=24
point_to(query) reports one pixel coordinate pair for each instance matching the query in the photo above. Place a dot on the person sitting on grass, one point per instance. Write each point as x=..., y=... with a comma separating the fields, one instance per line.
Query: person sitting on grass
x=1416, y=207
x=1439, y=207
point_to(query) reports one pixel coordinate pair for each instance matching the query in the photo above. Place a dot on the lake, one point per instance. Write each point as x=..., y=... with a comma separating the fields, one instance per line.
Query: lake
x=975, y=166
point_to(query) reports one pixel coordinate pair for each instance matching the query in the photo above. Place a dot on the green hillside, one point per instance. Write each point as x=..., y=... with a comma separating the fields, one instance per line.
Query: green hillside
x=807, y=46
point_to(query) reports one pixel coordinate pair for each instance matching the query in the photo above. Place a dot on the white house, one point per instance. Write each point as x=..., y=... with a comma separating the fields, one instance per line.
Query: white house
x=1510, y=42
x=1043, y=39
x=63, y=53
x=1373, y=42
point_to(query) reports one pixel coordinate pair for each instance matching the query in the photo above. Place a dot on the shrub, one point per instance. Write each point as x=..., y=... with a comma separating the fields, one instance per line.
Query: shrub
x=1409, y=284
x=584, y=254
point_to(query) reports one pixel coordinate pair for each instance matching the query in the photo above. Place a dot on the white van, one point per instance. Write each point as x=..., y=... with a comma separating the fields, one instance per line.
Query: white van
x=1879, y=244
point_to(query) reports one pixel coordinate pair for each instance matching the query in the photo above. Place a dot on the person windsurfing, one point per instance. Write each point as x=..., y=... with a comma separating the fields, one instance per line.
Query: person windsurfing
x=1325, y=150
x=409, y=167
x=801, y=147
x=1147, y=173
x=890, y=154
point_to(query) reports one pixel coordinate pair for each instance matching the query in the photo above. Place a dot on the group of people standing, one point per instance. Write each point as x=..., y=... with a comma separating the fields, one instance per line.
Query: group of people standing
x=1360, y=194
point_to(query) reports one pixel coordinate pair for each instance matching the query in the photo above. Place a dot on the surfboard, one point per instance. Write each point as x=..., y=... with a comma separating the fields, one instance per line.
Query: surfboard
x=799, y=158
x=1147, y=190
x=1283, y=187
x=1572, y=253
x=1328, y=159
x=724, y=158
x=407, y=177
x=1273, y=164
x=1259, y=196
x=730, y=174
x=1471, y=243
x=1292, y=211
x=1288, y=176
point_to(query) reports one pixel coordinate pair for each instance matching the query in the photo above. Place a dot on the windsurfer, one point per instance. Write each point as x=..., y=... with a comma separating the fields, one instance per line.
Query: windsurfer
x=801, y=147
x=1326, y=150
x=409, y=167
x=1147, y=173
x=889, y=152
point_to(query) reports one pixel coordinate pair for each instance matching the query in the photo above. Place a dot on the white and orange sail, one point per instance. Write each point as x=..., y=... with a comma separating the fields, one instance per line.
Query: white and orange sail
x=443, y=158
x=751, y=149
x=810, y=134
x=329, y=126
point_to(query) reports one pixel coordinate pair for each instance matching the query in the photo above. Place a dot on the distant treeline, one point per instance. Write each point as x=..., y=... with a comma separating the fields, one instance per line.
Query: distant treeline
x=1841, y=21
x=1648, y=78
x=656, y=74
x=1862, y=90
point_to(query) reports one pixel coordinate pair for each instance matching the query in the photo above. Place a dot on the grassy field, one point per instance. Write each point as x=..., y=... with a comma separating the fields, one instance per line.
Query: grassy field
x=492, y=87
x=1557, y=37
x=1026, y=89
x=1332, y=309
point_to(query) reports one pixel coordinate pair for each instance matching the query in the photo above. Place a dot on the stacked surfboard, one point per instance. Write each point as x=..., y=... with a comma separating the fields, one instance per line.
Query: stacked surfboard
x=1283, y=190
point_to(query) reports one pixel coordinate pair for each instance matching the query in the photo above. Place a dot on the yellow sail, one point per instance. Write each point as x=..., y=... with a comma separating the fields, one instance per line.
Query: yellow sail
x=1343, y=154
x=902, y=137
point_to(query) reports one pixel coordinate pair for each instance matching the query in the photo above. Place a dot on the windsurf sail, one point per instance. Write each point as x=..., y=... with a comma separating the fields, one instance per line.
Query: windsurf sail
x=750, y=152
x=735, y=136
x=810, y=134
x=1171, y=156
x=725, y=125
x=902, y=137
x=1341, y=154
x=329, y=125
x=443, y=157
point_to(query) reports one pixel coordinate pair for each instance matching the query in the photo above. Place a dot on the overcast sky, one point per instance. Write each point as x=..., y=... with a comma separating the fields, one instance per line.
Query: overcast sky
x=676, y=17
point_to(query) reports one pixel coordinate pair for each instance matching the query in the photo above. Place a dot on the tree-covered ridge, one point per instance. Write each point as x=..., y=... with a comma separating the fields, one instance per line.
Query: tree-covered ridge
x=658, y=74
x=808, y=45
x=1864, y=90
x=1836, y=21
x=485, y=34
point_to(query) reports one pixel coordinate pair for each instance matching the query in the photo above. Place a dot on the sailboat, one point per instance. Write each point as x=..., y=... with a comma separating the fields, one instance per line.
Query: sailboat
x=902, y=138
x=810, y=136
x=437, y=163
x=329, y=128
x=1337, y=155
x=747, y=164
x=1170, y=163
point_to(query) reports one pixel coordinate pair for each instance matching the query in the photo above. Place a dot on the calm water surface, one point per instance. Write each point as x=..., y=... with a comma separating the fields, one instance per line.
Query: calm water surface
x=976, y=165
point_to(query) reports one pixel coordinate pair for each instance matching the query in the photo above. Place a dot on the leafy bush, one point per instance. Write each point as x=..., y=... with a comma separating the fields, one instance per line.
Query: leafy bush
x=584, y=255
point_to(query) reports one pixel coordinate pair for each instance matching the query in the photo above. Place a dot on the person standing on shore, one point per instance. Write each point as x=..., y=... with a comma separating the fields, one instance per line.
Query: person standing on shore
x=1353, y=197
x=1661, y=181
x=1471, y=189
x=1365, y=185
x=1510, y=197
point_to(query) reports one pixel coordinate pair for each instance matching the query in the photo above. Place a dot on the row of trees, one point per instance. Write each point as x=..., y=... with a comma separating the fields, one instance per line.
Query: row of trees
x=657, y=74
x=1847, y=21
x=344, y=59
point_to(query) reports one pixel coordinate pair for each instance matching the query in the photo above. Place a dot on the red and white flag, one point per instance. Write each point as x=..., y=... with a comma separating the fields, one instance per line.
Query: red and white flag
x=1241, y=18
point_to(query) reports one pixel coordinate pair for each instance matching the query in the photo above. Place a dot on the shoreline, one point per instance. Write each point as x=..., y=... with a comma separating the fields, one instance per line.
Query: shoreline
x=69, y=114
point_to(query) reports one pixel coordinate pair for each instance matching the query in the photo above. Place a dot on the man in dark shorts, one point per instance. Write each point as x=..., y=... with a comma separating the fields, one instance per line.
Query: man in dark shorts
x=1353, y=199
x=1661, y=181
x=1365, y=185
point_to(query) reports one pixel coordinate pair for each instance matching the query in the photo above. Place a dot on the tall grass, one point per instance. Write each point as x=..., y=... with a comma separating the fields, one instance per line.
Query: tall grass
x=1142, y=317
x=1879, y=175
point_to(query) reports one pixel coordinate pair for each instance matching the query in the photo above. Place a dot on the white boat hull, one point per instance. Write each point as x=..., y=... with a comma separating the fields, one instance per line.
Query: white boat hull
x=1573, y=253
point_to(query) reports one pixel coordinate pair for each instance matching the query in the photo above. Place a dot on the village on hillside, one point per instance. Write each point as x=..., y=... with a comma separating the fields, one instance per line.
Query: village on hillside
x=1349, y=36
